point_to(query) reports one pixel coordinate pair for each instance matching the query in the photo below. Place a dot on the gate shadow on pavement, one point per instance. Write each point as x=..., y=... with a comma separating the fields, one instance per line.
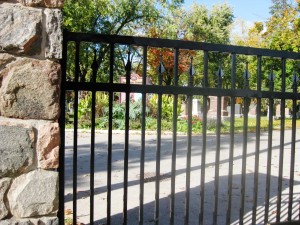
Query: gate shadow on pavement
x=133, y=213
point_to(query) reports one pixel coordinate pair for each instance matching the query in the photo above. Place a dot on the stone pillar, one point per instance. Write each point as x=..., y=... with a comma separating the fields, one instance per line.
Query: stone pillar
x=30, y=47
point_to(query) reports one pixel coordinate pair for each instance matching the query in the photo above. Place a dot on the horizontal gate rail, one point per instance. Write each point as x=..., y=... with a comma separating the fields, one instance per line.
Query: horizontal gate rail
x=235, y=211
x=156, y=89
x=166, y=43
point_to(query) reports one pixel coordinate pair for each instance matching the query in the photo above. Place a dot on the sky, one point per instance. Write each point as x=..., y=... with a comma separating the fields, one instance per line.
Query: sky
x=247, y=10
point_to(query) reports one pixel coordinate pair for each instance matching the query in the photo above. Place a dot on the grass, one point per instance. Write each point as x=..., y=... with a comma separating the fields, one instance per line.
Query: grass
x=264, y=124
x=68, y=221
x=182, y=125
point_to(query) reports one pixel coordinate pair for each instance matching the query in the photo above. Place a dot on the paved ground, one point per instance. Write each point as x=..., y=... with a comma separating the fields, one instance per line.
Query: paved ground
x=165, y=184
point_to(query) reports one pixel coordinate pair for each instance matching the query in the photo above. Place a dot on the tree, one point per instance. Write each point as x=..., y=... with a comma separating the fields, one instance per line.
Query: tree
x=166, y=57
x=282, y=29
x=195, y=24
x=126, y=17
x=279, y=32
x=209, y=26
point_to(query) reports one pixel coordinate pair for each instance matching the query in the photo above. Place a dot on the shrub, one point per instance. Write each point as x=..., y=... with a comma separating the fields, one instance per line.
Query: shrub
x=182, y=124
x=167, y=106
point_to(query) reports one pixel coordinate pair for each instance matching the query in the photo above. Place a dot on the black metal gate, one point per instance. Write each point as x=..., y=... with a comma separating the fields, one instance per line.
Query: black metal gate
x=246, y=174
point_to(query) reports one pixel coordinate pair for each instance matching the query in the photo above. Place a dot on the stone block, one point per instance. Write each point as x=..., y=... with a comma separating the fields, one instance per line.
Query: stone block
x=4, y=185
x=16, y=150
x=30, y=89
x=43, y=3
x=32, y=3
x=34, y=194
x=48, y=146
x=20, y=29
x=5, y=59
x=31, y=221
x=54, y=3
x=53, y=48
x=10, y=1
x=47, y=139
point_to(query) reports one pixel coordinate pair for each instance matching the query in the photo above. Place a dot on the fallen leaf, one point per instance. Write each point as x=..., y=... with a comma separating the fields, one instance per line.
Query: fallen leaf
x=68, y=212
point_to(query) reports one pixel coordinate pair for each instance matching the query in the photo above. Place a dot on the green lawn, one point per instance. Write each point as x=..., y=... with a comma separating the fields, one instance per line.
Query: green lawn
x=264, y=124
x=182, y=125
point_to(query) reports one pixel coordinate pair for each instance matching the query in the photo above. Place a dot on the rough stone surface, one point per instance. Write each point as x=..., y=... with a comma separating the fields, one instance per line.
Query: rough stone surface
x=10, y=1
x=4, y=185
x=34, y=194
x=54, y=3
x=32, y=3
x=20, y=29
x=53, y=49
x=48, y=146
x=16, y=150
x=36, y=124
x=43, y=3
x=5, y=59
x=30, y=89
x=30, y=221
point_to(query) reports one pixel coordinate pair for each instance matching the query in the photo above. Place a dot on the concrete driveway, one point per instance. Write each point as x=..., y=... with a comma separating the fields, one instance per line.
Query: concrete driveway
x=83, y=177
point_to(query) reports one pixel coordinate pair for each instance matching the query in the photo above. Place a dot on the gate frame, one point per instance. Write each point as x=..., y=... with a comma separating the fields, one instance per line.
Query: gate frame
x=175, y=90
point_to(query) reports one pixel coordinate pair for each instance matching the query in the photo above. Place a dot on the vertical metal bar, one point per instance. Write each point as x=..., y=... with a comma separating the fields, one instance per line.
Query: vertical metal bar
x=189, y=150
x=269, y=156
x=143, y=134
x=293, y=151
x=281, y=151
x=110, y=127
x=204, y=130
x=217, y=156
x=126, y=147
x=244, y=160
x=257, y=143
x=92, y=156
x=174, y=137
x=62, y=120
x=244, y=154
x=231, y=147
x=158, y=150
x=75, y=135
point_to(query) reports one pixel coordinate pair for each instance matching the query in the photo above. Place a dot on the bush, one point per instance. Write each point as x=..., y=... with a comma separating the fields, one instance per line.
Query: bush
x=102, y=101
x=182, y=124
x=167, y=106
x=84, y=108
x=118, y=115
x=85, y=105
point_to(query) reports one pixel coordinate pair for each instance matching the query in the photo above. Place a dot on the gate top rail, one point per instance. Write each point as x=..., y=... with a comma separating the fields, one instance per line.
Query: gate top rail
x=178, y=44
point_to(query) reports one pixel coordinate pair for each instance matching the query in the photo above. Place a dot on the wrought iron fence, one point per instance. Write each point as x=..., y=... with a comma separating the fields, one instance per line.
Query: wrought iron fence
x=229, y=188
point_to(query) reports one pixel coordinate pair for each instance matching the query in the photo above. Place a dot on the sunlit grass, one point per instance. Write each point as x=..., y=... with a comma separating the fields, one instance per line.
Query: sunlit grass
x=182, y=125
x=251, y=124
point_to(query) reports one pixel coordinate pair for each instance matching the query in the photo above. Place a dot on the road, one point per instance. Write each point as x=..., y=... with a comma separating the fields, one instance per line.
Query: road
x=83, y=177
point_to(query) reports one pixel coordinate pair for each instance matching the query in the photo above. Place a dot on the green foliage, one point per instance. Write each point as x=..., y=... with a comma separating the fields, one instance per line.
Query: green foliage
x=119, y=114
x=102, y=101
x=195, y=24
x=84, y=107
x=126, y=17
x=209, y=26
x=182, y=124
x=167, y=106
x=280, y=32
